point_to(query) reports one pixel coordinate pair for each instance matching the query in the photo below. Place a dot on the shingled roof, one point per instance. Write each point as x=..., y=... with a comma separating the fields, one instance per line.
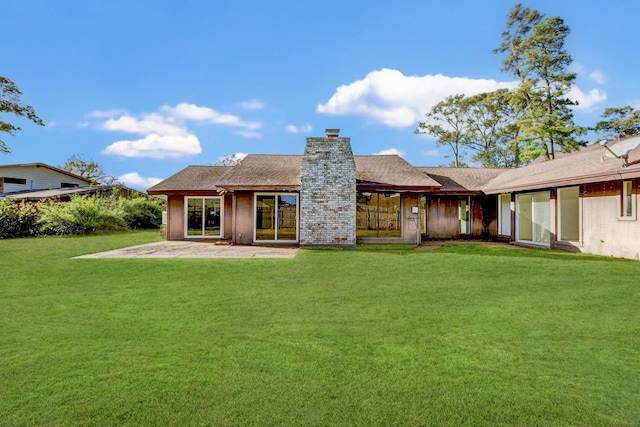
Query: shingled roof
x=461, y=180
x=391, y=171
x=257, y=171
x=191, y=178
x=589, y=164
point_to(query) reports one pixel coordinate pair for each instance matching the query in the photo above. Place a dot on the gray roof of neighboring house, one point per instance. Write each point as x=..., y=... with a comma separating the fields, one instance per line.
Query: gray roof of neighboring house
x=194, y=178
x=391, y=170
x=44, y=165
x=589, y=164
x=57, y=193
x=461, y=180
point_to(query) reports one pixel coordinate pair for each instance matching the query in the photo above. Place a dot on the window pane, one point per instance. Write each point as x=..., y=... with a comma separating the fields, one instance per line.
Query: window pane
x=423, y=214
x=194, y=217
x=525, y=217
x=463, y=217
x=627, y=197
x=212, y=217
x=569, y=213
x=367, y=214
x=389, y=215
x=287, y=217
x=542, y=217
x=265, y=218
x=505, y=214
x=378, y=215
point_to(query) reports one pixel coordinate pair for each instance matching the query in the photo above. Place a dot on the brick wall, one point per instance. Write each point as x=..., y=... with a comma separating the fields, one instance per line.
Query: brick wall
x=328, y=193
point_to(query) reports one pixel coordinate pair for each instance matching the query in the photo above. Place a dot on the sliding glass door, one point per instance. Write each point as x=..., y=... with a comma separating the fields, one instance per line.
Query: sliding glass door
x=203, y=217
x=533, y=217
x=276, y=217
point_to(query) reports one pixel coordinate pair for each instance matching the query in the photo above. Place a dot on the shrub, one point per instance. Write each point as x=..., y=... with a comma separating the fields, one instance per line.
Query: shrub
x=80, y=215
x=141, y=212
x=18, y=219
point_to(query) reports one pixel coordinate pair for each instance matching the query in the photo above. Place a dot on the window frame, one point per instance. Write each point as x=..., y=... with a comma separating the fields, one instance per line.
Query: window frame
x=631, y=197
x=503, y=219
x=276, y=219
x=559, y=214
x=186, y=218
x=378, y=220
x=533, y=218
x=469, y=215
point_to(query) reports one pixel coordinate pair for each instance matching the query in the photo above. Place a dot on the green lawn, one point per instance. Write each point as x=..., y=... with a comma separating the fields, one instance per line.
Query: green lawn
x=377, y=335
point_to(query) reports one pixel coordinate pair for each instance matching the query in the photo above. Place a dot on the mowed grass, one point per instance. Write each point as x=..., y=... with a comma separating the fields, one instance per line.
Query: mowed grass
x=376, y=335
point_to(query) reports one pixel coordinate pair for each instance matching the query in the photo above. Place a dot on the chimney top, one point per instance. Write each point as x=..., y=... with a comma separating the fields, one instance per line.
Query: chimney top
x=332, y=133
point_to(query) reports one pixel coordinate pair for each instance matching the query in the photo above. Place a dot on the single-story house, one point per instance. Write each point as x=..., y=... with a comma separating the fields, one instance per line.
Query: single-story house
x=29, y=177
x=30, y=182
x=584, y=201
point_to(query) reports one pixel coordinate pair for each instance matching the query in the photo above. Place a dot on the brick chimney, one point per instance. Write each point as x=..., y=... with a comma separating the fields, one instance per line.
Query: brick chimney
x=328, y=192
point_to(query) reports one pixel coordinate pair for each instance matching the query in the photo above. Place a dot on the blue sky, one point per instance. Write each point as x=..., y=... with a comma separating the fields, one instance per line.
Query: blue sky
x=146, y=88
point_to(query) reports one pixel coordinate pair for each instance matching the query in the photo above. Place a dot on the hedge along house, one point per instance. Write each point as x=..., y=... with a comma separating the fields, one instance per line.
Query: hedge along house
x=327, y=196
x=582, y=201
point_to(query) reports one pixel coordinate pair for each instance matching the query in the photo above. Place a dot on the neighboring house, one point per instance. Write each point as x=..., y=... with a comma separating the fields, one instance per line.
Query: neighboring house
x=21, y=178
x=583, y=201
x=39, y=181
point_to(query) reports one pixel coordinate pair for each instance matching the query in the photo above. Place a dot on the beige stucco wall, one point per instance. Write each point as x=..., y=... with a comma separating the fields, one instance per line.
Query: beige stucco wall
x=604, y=232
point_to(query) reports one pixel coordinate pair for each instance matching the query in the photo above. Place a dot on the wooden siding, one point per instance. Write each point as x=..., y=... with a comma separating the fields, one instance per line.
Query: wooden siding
x=442, y=217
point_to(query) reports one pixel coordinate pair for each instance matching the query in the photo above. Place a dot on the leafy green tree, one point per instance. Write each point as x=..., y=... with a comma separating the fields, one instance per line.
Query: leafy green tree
x=447, y=122
x=88, y=169
x=10, y=103
x=491, y=129
x=619, y=122
x=536, y=55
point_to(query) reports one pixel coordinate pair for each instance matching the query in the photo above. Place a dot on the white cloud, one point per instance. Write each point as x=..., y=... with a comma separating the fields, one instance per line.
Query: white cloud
x=252, y=104
x=307, y=128
x=133, y=179
x=166, y=133
x=156, y=147
x=597, y=76
x=389, y=151
x=150, y=123
x=396, y=100
x=195, y=113
x=586, y=101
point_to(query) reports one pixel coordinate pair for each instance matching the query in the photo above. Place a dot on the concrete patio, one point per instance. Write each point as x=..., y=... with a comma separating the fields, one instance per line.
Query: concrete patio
x=184, y=249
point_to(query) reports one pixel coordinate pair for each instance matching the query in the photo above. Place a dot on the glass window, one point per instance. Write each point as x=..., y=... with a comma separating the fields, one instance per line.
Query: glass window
x=378, y=215
x=505, y=214
x=203, y=217
x=464, y=217
x=276, y=217
x=569, y=214
x=423, y=214
x=626, y=208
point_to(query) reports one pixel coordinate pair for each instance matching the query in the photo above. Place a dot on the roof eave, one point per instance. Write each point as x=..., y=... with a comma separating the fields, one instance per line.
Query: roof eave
x=563, y=182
